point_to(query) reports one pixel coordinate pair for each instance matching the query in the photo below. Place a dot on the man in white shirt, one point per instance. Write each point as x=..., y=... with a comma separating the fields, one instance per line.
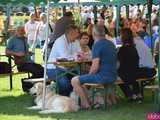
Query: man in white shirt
x=66, y=46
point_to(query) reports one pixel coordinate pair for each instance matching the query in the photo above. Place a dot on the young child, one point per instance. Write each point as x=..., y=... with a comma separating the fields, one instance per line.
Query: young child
x=85, y=54
x=84, y=40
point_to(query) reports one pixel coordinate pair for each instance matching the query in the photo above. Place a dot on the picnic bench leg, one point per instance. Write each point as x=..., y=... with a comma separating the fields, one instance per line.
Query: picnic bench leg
x=105, y=97
x=141, y=88
x=10, y=76
x=144, y=83
x=57, y=90
x=93, y=96
x=157, y=100
x=29, y=75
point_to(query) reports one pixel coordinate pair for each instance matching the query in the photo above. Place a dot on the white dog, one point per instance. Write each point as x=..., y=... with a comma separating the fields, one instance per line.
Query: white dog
x=53, y=103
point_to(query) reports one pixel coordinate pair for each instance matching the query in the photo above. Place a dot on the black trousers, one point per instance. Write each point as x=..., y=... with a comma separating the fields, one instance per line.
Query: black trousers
x=131, y=86
x=130, y=89
x=146, y=72
x=36, y=69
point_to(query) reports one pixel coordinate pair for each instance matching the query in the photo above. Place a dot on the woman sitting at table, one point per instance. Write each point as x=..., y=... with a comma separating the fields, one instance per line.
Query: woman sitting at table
x=84, y=39
x=85, y=52
x=129, y=65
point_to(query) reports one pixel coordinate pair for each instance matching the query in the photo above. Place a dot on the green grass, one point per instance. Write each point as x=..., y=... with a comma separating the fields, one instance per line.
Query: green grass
x=13, y=105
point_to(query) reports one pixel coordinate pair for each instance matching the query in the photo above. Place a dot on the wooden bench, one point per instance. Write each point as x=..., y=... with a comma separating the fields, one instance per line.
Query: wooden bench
x=34, y=80
x=14, y=72
x=143, y=82
x=153, y=87
x=11, y=76
x=156, y=96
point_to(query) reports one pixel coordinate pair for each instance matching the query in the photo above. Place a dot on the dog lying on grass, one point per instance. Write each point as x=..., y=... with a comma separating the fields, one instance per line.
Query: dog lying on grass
x=53, y=103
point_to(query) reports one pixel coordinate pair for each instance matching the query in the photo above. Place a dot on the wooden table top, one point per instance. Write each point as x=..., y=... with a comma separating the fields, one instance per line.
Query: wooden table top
x=69, y=63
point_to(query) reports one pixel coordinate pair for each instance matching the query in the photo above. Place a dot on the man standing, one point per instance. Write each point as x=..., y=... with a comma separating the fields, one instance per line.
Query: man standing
x=30, y=30
x=66, y=46
x=60, y=27
x=103, y=68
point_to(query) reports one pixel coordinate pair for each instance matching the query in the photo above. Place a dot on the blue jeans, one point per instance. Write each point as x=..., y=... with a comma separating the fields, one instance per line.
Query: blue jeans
x=64, y=82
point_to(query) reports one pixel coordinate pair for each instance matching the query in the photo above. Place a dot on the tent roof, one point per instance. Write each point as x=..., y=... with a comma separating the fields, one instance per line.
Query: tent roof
x=83, y=2
x=26, y=2
x=127, y=2
x=74, y=1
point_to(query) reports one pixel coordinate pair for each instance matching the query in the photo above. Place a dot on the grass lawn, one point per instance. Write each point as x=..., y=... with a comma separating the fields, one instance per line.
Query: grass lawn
x=13, y=105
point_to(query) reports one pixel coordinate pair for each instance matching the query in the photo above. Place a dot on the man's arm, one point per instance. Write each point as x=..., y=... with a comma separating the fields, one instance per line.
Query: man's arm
x=95, y=66
x=12, y=53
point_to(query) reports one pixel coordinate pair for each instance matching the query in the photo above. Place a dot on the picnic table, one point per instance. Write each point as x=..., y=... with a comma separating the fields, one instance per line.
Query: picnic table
x=71, y=67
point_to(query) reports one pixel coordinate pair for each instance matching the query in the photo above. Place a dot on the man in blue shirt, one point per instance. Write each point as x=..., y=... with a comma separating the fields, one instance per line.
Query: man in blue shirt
x=103, y=68
x=18, y=48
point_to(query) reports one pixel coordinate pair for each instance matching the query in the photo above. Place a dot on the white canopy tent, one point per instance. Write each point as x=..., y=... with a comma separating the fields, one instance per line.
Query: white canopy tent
x=77, y=1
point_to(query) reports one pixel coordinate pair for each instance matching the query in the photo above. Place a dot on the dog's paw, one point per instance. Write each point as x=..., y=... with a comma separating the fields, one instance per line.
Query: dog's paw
x=46, y=111
x=51, y=111
x=34, y=108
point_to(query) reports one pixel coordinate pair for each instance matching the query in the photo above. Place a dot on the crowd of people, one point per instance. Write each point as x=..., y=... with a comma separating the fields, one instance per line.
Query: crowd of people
x=98, y=43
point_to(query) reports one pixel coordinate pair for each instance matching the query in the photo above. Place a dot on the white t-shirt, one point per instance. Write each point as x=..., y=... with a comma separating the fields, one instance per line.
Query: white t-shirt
x=42, y=31
x=155, y=29
x=62, y=49
x=145, y=56
x=30, y=29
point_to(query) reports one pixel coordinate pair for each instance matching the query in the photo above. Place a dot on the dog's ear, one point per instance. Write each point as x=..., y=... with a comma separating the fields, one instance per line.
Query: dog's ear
x=39, y=87
x=52, y=86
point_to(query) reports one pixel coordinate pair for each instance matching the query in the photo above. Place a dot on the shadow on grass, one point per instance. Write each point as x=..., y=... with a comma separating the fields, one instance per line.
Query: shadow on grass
x=8, y=90
x=11, y=105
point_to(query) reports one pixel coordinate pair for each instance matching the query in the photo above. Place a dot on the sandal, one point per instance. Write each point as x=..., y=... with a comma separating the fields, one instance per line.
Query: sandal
x=97, y=105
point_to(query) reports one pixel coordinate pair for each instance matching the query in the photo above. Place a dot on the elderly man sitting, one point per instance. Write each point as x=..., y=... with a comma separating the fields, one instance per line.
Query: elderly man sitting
x=18, y=48
x=103, y=68
x=66, y=46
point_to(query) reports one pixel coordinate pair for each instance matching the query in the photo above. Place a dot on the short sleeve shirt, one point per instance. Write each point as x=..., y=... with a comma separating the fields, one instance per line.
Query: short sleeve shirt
x=19, y=44
x=62, y=49
x=106, y=52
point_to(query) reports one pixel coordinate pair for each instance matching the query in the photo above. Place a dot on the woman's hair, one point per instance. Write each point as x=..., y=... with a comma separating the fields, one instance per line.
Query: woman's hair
x=83, y=34
x=126, y=36
x=71, y=27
